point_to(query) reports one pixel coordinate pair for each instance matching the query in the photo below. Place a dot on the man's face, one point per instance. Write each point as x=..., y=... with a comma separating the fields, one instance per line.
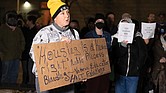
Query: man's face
x=28, y=23
x=161, y=18
x=63, y=18
x=111, y=17
x=91, y=25
x=74, y=25
x=151, y=18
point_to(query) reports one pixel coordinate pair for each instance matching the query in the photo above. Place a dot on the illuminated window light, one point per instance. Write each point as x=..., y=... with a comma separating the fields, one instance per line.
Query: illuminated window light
x=27, y=4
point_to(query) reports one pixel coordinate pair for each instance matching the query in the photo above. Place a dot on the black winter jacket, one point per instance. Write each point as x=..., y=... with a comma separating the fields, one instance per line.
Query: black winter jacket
x=129, y=60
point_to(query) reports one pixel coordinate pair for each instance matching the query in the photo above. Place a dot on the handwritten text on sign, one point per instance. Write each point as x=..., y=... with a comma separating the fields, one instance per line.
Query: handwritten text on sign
x=61, y=63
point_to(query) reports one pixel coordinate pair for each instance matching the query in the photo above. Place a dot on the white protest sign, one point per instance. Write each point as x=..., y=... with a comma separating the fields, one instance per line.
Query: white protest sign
x=126, y=32
x=148, y=30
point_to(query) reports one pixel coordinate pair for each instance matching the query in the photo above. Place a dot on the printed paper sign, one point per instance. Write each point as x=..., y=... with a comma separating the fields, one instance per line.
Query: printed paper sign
x=148, y=30
x=59, y=64
x=126, y=32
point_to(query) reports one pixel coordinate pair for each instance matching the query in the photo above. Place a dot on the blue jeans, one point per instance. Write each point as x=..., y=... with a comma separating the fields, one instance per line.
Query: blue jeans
x=10, y=70
x=126, y=84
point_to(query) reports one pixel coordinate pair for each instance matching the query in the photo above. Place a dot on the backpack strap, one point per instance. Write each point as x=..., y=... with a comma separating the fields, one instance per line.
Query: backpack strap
x=72, y=31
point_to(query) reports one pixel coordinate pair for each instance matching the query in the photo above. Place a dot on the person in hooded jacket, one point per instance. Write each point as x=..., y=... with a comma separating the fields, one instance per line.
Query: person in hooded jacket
x=129, y=61
x=11, y=47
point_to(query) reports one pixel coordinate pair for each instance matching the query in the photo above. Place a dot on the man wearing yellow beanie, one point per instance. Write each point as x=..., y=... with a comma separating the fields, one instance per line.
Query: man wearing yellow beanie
x=58, y=31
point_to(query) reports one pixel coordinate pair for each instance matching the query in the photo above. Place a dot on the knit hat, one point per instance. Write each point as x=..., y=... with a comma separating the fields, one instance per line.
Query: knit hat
x=128, y=20
x=56, y=6
x=99, y=16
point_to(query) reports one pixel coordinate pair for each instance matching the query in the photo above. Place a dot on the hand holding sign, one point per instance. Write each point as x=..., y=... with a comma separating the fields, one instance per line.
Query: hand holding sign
x=59, y=64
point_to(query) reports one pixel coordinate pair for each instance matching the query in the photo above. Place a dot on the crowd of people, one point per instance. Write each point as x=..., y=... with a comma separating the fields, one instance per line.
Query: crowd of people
x=137, y=67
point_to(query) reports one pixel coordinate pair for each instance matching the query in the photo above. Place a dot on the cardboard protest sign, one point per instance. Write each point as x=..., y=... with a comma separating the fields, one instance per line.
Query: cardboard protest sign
x=126, y=32
x=148, y=30
x=59, y=64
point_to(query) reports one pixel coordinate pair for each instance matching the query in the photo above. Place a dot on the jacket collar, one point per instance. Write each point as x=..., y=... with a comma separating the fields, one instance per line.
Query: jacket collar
x=59, y=28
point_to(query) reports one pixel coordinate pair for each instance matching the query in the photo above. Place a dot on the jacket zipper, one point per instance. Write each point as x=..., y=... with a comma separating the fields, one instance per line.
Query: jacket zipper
x=128, y=63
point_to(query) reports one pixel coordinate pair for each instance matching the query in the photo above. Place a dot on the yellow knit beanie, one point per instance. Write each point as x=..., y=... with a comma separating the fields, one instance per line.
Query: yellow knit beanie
x=56, y=6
